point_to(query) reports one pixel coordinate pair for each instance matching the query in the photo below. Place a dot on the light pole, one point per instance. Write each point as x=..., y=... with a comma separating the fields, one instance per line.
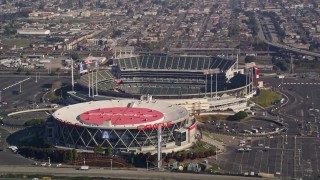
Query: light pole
x=216, y=153
x=111, y=164
x=299, y=150
x=147, y=165
x=49, y=162
x=286, y=137
x=20, y=86
x=36, y=77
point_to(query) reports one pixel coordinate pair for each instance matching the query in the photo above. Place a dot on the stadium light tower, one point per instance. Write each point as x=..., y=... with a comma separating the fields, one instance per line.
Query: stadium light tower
x=72, y=78
x=89, y=83
x=237, y=64
x=246, y=74
x=96, y=82
x=216, y=85
x=159, y=147
x=206, y=86
x=211, y=87
x=92, y=81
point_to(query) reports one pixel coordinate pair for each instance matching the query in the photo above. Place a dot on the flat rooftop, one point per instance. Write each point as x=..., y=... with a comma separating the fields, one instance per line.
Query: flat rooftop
x=121, y=116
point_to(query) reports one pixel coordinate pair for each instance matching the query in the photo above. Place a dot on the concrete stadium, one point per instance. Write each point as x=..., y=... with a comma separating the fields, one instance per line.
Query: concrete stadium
x=198, y=83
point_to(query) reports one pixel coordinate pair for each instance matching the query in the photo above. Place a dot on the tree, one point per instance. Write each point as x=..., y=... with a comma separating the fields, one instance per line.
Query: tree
x=35, y=122
x=189, y=156
x=108, y=151
x=212, y=152
x=194, y=155
x=153, y=158
x=119, y=4
x=75, y=154
x=67, y=156
x=116, y=33
x=168, y=157
x=241, y=115
x=98, y=149
x=249, y=59
x=75, y=56
x=80, y=3
x=238, y=116
x=182, y=157
x=201, y=154
x=233, y=31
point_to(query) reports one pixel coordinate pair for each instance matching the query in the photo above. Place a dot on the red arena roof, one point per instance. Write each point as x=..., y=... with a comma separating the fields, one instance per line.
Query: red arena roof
x=120, y=116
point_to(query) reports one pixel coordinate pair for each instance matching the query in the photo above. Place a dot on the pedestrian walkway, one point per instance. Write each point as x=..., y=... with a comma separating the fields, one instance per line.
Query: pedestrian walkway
x=213, y=142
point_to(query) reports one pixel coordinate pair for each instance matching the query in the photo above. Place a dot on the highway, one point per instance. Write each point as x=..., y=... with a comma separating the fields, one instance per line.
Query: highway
x=107, y=173
x=292, y=49
x=266, y=38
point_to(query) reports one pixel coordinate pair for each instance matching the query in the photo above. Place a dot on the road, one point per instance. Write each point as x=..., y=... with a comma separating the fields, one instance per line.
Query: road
x=125, y=174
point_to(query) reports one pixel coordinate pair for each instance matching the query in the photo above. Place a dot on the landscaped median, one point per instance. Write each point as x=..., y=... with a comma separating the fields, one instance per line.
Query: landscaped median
x=266, y=98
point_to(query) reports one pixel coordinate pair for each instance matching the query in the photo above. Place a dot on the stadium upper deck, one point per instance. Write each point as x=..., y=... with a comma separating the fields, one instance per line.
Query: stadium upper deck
x=180, y=63
x=165, y=76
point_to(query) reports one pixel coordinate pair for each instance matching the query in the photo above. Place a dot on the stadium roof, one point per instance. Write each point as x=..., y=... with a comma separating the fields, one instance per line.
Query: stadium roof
x=120, y=113
x=121, y=116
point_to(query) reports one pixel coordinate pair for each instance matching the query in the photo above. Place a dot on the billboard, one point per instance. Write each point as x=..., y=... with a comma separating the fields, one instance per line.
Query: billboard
x=105, y=134
x=83, y=68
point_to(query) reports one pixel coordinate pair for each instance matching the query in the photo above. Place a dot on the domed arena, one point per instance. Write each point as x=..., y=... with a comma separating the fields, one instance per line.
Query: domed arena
x=124, y=125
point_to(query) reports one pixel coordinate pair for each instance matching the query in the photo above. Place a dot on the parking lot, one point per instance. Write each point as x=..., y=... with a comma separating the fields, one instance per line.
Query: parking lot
x=31, y=91
x=280, y=155
x=249, y=127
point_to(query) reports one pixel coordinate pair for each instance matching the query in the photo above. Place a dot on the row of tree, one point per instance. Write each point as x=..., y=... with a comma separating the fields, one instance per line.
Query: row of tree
x=55, y=155
x=237, y=116
x=140, y=160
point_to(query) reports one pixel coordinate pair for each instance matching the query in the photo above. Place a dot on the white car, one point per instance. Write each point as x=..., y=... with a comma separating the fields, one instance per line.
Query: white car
x=247, y=149
x=44, y=164
x=260, y=145
x=13, y=148
x=240, y=149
